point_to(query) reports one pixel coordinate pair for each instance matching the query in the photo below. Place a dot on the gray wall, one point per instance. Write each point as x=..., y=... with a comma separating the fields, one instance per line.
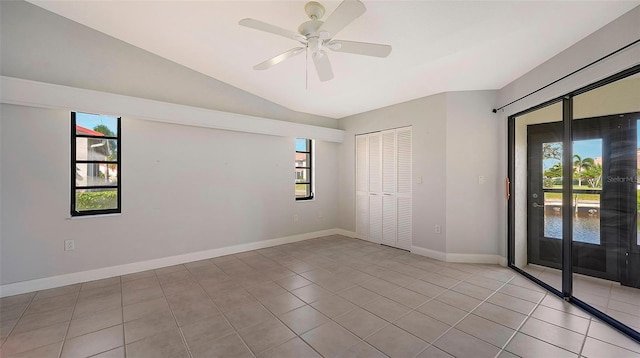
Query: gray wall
x=41, y=46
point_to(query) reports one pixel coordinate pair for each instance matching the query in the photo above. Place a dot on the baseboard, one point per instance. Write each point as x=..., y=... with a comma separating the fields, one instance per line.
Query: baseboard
x=433, y=254
x=503, y=261
x=348, y=233
x=460, y=258
x=474, y=258
x=106, y=272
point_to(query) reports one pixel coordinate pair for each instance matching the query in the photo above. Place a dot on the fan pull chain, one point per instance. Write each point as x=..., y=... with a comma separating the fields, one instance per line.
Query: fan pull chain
x=306, y=68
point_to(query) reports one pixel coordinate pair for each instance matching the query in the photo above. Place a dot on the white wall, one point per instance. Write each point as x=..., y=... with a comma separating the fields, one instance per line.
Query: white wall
x=475, y=140
x=455, y=139
x=184, y=189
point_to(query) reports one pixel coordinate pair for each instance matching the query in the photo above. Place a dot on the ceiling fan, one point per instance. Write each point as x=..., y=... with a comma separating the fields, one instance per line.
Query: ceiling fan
x=316, y=35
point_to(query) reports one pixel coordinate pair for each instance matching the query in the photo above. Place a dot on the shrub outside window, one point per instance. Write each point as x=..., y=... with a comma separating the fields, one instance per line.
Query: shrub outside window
x=304, y=169
x=95, y=164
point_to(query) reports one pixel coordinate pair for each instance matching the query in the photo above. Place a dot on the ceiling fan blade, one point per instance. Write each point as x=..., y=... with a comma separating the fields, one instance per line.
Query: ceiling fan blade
x=360, y=48
x=323, y=66
x=346, y=12
x=277, y=59
x=263, y=26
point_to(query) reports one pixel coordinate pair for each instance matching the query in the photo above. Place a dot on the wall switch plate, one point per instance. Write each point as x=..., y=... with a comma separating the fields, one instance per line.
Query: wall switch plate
x=295, y=218
x=419, y=179
x=69, y=245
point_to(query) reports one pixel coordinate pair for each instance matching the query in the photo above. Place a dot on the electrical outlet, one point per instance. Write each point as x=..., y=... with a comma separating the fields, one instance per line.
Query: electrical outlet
x=320, y=215
x=481, y=179
x=69, y=245
x=295, y=218
x=419, y=179
x=438, y=229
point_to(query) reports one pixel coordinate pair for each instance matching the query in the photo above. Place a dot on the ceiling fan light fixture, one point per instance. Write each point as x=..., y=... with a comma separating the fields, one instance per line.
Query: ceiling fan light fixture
x=317, y=34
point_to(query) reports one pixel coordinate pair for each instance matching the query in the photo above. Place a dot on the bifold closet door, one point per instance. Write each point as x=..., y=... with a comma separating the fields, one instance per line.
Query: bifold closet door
x=403, y=193
x=362, y=186
x=383, y=187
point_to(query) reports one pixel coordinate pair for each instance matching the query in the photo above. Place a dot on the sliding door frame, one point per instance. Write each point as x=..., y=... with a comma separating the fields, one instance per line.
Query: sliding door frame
x=567, y=261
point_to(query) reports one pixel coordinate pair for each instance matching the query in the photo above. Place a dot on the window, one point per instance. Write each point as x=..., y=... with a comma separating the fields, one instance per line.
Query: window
x=304, y=169
x=95, y=164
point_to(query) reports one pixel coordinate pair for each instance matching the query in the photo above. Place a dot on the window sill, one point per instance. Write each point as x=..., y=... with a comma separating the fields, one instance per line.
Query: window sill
x=79, y=217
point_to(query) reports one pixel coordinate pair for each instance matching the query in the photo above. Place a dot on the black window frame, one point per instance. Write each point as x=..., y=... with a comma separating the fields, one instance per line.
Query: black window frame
x=309, y=167
x=74, y=162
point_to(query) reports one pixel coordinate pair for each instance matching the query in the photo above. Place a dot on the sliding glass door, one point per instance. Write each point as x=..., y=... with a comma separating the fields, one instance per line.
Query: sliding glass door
x=573, y=212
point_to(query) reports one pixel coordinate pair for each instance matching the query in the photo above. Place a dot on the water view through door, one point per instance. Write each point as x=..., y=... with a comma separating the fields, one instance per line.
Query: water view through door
x=604, y=187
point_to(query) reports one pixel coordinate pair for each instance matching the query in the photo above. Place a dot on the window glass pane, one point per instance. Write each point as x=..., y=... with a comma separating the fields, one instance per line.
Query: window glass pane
x=96, y=199
x=587, y=164
x=96, y=174
x=303, y=160
x=552, y=165
x=303, y=175
x=96, y=149
x=553, y=215
x=93, y=124
x=302, y=145
x=606, y=211
x=537, y=191
x=303, y=190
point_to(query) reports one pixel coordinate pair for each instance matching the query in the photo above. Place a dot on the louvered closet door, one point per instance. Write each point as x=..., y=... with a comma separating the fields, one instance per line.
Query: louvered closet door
x=375, y=188
x=404, y=204
x=389, y=223
x=362, y=186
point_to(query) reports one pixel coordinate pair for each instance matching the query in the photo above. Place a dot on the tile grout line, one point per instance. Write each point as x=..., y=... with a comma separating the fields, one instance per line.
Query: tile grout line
x=463, y=317
x=19, y=318
x=175, y=320
x=222, y=313
x=124, y=339
x=524, y=321
x=64, y=339
x=276, y=317
x=584, y=340
x=330, y=319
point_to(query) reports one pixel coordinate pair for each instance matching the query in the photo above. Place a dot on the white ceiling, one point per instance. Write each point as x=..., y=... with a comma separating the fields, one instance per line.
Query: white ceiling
x=438, y=46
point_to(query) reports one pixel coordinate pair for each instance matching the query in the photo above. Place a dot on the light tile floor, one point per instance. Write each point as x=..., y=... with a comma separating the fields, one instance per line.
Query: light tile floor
x=331, y=297
x=619, y=302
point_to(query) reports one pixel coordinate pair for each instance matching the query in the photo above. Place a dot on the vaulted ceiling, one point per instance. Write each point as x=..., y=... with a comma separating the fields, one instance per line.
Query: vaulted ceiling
x=438, y=46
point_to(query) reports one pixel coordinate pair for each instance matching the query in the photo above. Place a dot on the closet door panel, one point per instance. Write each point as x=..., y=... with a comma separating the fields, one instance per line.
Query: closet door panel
x=375, y=163
x=389, y=162
x=389, y=222
x=404, y=160
x=375, y=218
x=362, y=159
x=404, y=234
x=362, y=215
x=362, y=186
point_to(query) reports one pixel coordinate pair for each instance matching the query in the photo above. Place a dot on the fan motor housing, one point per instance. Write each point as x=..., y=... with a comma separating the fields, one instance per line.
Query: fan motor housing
x=310, y=28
